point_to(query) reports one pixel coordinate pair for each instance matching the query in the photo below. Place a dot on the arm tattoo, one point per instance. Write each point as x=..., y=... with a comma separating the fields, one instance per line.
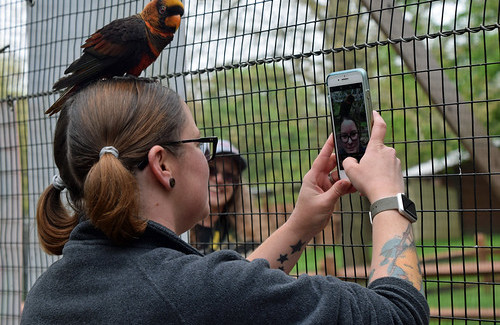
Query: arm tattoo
x=399, y=255
x=284, y=257
x=372, y=272
x=297, y=247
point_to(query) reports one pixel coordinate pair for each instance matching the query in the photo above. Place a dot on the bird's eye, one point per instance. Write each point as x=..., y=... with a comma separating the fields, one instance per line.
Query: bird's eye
x=163, y=9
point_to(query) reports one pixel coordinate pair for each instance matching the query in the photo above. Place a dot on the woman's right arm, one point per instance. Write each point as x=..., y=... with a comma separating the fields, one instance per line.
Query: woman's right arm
x=378, y=175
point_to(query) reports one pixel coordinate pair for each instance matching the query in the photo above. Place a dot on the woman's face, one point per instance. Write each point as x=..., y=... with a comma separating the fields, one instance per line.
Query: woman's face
x=349, y=136
x=224, y=176
x=191, y=174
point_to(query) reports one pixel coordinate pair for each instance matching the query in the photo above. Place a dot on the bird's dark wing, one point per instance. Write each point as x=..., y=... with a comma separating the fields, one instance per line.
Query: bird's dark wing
x=111, y=51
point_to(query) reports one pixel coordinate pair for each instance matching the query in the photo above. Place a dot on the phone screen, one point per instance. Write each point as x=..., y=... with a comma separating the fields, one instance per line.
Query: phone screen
x=350, y=121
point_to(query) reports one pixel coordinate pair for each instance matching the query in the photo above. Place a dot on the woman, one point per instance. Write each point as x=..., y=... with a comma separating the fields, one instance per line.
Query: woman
x=350, y=145
x=229, y=225
x=135, y=167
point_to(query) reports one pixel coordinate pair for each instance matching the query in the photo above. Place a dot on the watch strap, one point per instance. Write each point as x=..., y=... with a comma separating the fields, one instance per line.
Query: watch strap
x=387, y=203
x=400, y=202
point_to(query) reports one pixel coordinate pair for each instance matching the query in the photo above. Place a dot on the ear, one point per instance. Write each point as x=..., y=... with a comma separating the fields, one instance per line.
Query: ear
x=160, y=162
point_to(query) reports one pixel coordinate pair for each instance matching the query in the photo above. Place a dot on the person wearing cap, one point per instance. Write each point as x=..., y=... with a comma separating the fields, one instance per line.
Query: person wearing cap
x=229, y=225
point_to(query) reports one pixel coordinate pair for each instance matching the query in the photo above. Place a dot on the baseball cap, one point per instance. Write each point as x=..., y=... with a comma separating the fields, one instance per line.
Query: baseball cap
x=225, y=148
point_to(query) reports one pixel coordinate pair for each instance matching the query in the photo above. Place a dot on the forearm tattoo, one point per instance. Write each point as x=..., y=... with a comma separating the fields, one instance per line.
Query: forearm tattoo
x=297, y=247
x=284, y=257
x=400, y=257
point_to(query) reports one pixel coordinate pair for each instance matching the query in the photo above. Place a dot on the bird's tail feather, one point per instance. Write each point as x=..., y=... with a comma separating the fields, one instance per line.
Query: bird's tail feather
x=59, y=103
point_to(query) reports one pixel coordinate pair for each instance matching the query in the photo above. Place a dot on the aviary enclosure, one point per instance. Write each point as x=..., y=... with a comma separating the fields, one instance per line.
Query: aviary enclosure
x=254, y=72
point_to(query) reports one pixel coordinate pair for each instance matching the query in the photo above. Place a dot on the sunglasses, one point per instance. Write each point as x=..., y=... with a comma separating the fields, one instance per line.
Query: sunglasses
x=207, y=145
x=227, y=176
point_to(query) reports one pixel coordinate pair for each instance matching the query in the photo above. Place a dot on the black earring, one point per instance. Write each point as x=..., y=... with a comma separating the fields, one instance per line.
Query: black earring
x=172, y=182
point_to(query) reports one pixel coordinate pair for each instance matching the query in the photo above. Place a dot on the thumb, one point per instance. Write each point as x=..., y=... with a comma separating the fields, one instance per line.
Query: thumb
x=349, y=163
x=340, y=188
x=378, y=130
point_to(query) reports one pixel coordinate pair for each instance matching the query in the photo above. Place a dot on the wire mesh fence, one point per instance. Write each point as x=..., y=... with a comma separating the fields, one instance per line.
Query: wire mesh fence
x=253, y=73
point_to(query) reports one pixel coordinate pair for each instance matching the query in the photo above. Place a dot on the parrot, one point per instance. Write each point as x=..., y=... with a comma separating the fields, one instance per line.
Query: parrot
x=124, y=46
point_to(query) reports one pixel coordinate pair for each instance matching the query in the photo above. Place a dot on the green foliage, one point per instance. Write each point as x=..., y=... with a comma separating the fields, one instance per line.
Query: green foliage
x=414, y=126
x=267, y=115
x=277, y=114
x=471, y=60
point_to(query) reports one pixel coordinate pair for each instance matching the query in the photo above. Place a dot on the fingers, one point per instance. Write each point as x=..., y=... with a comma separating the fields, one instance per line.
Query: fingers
x=378, y=173
x=326, y=159
x=332, y=163
x=327, y=149
x=378, y=131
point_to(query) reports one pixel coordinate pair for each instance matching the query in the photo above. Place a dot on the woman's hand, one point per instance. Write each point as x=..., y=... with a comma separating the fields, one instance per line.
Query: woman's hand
x=318, y=196
x=378, y=174
x=315, y=205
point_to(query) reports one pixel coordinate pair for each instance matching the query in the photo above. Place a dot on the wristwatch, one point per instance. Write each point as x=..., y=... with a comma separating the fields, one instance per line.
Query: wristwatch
x=400, y=202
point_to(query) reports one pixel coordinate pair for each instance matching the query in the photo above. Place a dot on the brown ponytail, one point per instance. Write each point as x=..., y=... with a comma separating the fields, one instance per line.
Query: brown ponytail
x=111, y=199
x=53, y=221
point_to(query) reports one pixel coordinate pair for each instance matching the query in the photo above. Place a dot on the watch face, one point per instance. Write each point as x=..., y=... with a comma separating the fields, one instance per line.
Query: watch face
x=409, y=206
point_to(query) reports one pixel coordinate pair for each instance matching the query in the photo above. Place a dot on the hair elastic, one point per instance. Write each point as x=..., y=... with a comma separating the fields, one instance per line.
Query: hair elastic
x=58, y=183
x=109, y=149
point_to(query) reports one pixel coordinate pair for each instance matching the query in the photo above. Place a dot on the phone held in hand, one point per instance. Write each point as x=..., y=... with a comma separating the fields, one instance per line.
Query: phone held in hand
x=351, y=112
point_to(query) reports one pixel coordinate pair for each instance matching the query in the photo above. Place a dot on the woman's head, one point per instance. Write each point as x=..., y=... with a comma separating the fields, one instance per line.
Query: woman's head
x=349, y=136
x=230, y=204
x=131, y=115
x=225, y=175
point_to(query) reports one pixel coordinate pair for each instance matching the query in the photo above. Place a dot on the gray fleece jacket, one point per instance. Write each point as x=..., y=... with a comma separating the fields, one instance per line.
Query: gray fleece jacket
x=159, y=279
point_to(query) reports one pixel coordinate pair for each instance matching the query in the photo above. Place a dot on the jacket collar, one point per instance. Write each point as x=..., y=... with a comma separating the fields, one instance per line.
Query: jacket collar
x=154, y=236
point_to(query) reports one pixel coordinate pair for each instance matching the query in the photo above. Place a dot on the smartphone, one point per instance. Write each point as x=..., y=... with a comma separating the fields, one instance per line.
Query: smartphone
x=351, y=112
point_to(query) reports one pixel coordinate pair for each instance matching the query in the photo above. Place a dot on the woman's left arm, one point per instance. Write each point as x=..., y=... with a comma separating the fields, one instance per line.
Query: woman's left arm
x=315, y=205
